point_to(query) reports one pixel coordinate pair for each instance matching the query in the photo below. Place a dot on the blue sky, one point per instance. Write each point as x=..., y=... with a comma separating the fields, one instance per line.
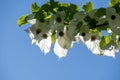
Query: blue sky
x=20, y=60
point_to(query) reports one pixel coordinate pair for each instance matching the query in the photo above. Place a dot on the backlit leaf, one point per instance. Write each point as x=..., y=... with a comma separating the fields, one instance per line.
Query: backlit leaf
x=88, y=7
x=34, y=8
x=22, y=20
x=104, y=41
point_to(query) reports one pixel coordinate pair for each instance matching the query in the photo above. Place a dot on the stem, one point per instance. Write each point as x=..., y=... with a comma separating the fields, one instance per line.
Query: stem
x=104, y=24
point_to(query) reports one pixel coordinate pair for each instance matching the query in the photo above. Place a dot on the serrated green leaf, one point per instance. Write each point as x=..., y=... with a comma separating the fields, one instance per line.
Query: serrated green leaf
x=22, y=20
x=100, y=12
x=88, y=7
x=35, y=7
x=113, y=2
x=104, y=41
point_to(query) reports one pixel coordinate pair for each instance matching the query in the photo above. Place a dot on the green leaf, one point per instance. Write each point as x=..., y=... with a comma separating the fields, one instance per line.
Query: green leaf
x=117, y=7
x=41, y=15
x=54, y=7
x=113, y=2
x=22, y=20
x=88, y=7
x=50, y=7
x=91, y=22
x=100, y=12
x=35, y=7
x=73, y=8
x=53, y=37
x=65, y=5
x=113, y=35
x=46, y=7
x=104, y=41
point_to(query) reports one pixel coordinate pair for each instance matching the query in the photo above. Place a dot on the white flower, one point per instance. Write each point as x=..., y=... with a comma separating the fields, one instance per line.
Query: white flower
x=40, y=34
x=38, y=30
x=63, y=43
x=64, y=39
x=93, y=43
x=81, y=36
x=114, y=20
x=59, y=51
x=110, y=49
x=92, y=15
x=84, y=30
x=74, y=26
x=34, y=32
x=57, y=20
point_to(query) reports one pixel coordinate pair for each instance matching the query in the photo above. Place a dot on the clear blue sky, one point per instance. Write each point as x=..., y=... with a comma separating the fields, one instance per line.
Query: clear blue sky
x=19, y=60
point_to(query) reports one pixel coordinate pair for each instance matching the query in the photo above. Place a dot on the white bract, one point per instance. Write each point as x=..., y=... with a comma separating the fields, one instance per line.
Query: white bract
x=30, y=19
x=59, y=51
x=45, y=44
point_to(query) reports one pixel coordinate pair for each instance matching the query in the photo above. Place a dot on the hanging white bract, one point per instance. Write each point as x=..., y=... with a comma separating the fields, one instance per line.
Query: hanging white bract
x=63, y=25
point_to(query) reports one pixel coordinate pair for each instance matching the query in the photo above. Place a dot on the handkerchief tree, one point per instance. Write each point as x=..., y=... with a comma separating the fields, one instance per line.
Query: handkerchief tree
x=63, y=25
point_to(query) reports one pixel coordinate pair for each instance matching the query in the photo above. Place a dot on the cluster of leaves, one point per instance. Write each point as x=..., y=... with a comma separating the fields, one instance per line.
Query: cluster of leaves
x=52, y=7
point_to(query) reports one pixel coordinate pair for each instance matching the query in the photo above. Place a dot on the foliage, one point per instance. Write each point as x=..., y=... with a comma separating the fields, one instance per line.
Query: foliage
x=63, y=24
